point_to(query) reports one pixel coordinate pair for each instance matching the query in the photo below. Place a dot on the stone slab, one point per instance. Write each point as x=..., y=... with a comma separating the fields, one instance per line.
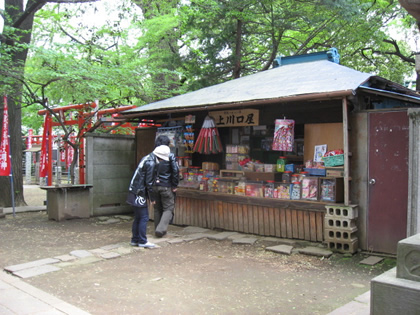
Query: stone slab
x=110, y=255
x=110, y=247
x=98, y=251
x=391, y=295
x=23, y=303
x=371, y=260
x=87, y=260
x=195, y=229
x=123, y=250
x=176, y=241
x=65, y=258
x=35, y=271
x=81, y=253
x=110, y=221
x=36, y=263
x=363, y=298
x=315, y=251
x=244, y=240
x=281, y=249
x=157, y=240
x=221, y=236
x=124, y=217
x=352, y=308
x=194, y=237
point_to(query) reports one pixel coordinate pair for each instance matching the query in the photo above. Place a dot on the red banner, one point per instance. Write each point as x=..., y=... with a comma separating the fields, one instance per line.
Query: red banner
x=43, y=171
x=5, y=158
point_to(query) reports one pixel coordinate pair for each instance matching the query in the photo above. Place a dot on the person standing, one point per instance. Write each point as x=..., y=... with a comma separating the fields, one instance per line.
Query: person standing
x=141, y=189
x=166, y=183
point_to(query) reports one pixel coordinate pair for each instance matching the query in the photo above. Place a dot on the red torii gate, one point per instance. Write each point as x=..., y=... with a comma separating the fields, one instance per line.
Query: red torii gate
x=80, y=121
x=84, y=123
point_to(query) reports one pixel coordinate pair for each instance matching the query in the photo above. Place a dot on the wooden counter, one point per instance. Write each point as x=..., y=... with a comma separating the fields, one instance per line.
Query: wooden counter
x=295, y=219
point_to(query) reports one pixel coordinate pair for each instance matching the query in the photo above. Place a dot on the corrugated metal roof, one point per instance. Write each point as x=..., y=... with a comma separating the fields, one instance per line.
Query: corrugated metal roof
x=318, y=77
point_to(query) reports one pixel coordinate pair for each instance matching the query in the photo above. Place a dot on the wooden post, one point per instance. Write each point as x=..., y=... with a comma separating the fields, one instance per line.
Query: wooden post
x=346, y=153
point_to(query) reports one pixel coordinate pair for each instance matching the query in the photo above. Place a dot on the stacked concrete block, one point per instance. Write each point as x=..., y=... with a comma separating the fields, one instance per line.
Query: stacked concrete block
x=340, y=228
x=397, y=291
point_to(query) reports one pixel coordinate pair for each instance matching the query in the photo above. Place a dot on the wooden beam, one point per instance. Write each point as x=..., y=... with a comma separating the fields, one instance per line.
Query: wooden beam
x=346, y=152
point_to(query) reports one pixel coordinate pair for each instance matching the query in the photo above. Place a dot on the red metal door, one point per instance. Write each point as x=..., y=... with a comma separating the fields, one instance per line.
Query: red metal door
x=388, y=180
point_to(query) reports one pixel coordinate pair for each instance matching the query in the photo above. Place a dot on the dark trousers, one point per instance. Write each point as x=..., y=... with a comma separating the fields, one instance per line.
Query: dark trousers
x=163, y=208
x=139, y=228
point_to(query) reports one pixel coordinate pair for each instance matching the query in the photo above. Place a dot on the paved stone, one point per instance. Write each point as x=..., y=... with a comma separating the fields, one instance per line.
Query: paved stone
x=157, y=240
x=81, y=253
x=194, y=237
x=352, y=308
x=236, y=236
x=65, y=258
x=110, y=221
x=110, y=247
x=371, y=260
x=176, y=241
x=283, y=241
x=13, y=299
x=245, y=240
x=35, y=271
x=123, y=250
x=86, y=260
x=364, y=298
x=315, y=251
x=32, y=264
x=18, y=297
x=221, y=236
x=195, y=229
x=281, y=249
x=110, y=255
x=98, y=251
x=102, y=218
x=124, y=217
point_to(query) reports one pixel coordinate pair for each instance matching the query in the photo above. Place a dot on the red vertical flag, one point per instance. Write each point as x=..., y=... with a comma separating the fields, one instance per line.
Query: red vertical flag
x=43, y=171
x=5, y=158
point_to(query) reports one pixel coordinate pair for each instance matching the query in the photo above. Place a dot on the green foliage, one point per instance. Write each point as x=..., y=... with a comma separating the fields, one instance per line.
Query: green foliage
x=151, y=50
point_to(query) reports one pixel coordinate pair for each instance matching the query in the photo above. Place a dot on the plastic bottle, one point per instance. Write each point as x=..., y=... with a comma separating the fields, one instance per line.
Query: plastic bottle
x=281, y=164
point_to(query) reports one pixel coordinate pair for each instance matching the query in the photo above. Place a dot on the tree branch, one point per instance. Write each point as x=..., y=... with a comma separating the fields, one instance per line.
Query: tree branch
x=38, y=4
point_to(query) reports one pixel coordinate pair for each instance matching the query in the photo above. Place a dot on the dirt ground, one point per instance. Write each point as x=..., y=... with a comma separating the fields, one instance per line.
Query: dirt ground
x=197, y=277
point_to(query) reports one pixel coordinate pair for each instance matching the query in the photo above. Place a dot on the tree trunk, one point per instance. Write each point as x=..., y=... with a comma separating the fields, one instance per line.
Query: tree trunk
x=14, y=9
x=238, y=50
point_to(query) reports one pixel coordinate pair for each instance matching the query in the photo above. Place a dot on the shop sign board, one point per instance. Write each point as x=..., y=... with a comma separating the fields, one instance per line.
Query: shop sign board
x=236, y=118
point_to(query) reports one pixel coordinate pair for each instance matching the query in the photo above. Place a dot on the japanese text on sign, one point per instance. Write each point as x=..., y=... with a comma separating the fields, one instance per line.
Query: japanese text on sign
x=236, y=118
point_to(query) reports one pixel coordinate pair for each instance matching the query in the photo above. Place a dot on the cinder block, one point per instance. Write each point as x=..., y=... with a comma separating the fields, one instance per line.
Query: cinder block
x=342, y=212
x=343, y=246
x=338, y=235
x=339, y=223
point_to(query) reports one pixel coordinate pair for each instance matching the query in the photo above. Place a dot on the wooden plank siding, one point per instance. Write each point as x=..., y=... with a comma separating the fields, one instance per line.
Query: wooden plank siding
x=278, y=218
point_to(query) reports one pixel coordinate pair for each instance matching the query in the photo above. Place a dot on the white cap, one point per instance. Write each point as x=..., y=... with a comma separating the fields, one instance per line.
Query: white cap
x=162, y=152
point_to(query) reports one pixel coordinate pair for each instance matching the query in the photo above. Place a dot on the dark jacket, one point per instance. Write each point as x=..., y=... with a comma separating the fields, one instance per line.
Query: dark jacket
x=167, y=172
x=144, y=177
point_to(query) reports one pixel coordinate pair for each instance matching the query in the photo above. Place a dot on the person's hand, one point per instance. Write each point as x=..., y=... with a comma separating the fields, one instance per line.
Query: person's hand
x=153, y=202
x=173, y=189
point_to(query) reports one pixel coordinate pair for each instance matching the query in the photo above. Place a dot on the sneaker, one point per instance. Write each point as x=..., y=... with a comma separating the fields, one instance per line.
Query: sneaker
x=134, y=244
x=147, y=245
